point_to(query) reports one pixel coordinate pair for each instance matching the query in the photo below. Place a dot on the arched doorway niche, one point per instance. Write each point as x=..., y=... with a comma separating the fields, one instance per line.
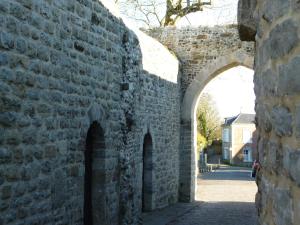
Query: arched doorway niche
x=148, y=193
x=95, y=176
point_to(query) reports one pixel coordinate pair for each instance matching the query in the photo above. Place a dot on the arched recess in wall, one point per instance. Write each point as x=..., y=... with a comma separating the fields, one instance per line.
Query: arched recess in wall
x=187, y=187
x=94, y=179
x=147, y=177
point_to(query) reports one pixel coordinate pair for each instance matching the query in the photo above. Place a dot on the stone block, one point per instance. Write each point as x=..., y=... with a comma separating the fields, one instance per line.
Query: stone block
x=12, y=174
x=3, y=59
x=6, y=40
x=50, y=151
x=294, y=167
x=26, y=3
x=276, y=156
x=30, y=136
x=38, y=153
x=25, y=30
x=283, y=38
x=44, y=184
x=263, y=118
x=289, y=77
x=20, y=190
x=281, y=118
x=4, y=7
x=18, y=155
x=297, y=121
x=8, y=119
x=43, y=53
x=13, y=137
x=6, y=192
x=269, y=83
x=282, y=212
x=3, y=206
x=46, y=167
x=28, y=154
x=274, y=9
x=73, y=171
x=295, y=5
x=5, y=155
x=21, y=45
x=12, y=25
x=18, y=11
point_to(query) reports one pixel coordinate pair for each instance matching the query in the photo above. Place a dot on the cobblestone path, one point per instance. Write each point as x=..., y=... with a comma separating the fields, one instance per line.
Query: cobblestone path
x=224, y=197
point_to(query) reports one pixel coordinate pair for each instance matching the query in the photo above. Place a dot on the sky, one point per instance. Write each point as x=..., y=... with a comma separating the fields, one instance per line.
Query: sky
x=221, y=12
x=233, y=91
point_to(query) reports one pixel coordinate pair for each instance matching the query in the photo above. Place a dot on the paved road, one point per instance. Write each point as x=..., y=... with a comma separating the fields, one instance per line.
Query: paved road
x=224, y=197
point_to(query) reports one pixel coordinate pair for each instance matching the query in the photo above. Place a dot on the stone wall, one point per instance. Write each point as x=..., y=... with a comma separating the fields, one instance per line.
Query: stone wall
x=277, y=106
x=198, y=47
x=204, y=53
x=63, y=65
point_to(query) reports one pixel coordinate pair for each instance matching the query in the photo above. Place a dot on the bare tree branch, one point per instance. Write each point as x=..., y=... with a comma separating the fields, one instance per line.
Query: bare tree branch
x=160, y=12
x=177, y=11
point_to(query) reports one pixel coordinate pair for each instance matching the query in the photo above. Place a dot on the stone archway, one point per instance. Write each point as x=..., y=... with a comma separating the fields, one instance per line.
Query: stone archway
x=187, y=187
x=94, y=178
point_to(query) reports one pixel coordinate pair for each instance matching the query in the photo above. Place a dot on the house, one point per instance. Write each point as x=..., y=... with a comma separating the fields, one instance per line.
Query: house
x=239, y=139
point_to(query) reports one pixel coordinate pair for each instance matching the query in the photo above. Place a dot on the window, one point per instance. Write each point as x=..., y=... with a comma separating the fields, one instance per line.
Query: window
x=247, y=155
x=226, y=153
x=226, y=134
x=247, y=136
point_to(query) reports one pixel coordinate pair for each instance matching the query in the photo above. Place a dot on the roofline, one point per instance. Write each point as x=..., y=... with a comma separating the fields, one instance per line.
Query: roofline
x=234, y=121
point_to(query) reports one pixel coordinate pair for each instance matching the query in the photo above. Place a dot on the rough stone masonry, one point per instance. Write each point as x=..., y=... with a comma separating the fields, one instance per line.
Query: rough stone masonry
x=67, y=66
x=277, y=88
x=86, y=100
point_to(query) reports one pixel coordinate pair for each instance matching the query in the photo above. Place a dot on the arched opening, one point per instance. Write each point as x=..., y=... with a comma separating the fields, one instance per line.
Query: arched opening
x=228, y=97
x=147, y=182
x=228, y=189
x=94, y=178
x=188, y=164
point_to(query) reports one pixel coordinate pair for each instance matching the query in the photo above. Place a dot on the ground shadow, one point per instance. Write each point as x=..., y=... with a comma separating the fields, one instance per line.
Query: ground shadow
x=204, y=213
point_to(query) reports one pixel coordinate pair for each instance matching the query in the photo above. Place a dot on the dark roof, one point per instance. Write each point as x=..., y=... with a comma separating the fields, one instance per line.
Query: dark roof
x=242, y=118
x=229, y=120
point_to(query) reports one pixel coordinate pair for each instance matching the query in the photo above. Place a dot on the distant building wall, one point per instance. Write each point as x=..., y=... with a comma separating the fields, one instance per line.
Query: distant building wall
x=239, y=145
x=236, y=145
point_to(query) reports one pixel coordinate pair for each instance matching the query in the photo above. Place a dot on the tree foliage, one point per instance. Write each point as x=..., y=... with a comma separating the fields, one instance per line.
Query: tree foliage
x=208, y=121
x=159, y=13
